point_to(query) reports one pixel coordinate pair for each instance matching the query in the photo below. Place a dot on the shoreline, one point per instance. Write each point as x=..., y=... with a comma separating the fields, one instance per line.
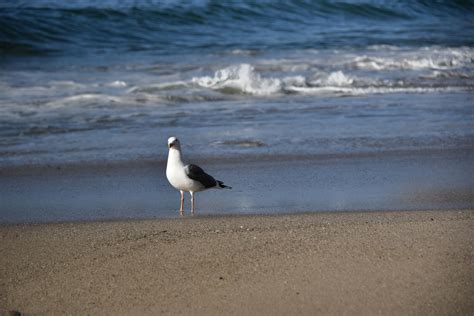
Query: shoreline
x=332, y=263
x=222, y=216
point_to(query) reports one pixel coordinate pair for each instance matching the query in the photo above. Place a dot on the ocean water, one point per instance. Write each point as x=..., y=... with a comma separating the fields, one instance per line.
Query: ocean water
x=112, y=80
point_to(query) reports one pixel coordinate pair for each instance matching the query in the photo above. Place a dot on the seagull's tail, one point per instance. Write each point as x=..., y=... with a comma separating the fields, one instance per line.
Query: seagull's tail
x=221, y=185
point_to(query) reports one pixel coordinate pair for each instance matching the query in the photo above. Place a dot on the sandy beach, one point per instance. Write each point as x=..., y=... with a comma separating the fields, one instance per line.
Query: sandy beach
x=417, y=262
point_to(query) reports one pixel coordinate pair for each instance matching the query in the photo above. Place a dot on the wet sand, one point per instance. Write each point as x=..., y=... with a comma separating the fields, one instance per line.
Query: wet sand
x=262, y=184
x=391, y=263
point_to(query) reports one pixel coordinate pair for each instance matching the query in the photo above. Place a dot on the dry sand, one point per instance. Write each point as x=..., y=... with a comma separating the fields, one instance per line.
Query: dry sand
x=399, y=263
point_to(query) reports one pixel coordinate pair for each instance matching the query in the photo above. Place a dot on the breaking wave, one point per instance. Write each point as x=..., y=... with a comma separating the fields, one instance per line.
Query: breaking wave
x=376, y=70
x=244, y=79
x=240, y=79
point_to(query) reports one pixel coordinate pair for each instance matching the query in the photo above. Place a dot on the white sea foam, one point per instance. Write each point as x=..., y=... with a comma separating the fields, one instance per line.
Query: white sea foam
x=117, y=84
x=294, y=81
x=440, y=59
x=436, y=74
x=384, y=63
x=336, y=78
x=355, y=91
x=242, y=78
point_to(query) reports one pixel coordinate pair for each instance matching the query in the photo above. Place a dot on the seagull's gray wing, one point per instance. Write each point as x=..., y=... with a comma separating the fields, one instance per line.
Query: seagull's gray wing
x=197, y=174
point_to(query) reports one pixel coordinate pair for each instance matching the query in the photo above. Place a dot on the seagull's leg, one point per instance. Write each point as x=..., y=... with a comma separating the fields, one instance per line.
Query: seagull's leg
x=181, y=207
x=192, y=203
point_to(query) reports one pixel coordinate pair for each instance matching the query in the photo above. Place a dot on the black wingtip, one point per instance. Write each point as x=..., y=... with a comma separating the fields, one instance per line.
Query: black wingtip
x=221, y=185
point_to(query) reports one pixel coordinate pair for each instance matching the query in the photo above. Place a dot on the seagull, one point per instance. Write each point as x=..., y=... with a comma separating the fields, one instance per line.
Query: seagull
x=189, y=178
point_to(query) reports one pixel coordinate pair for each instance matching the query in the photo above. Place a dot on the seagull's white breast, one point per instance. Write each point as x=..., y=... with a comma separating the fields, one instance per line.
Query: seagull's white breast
x=177, y=176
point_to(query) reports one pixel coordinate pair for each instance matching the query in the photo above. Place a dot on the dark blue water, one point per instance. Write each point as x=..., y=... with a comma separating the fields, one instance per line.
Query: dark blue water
x=112, y=80
x=202, y=27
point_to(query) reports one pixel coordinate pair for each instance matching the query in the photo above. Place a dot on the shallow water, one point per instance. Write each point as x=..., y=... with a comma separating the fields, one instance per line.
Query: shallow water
x=275, y=185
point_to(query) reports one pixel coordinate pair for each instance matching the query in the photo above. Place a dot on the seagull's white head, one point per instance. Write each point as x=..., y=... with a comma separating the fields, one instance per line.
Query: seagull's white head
x=173, y=142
